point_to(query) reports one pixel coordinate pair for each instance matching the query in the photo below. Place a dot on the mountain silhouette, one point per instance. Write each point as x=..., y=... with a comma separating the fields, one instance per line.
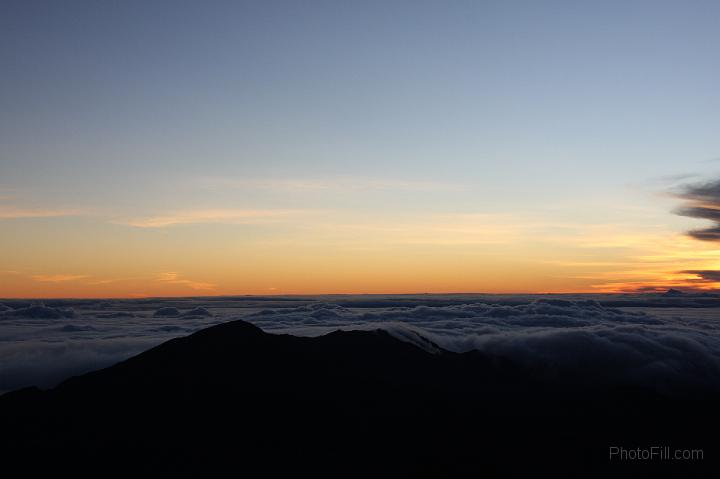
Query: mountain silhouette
x=347, y=404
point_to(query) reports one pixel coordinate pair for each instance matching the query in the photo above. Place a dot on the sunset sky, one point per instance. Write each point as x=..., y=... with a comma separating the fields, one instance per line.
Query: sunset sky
x=152, y=148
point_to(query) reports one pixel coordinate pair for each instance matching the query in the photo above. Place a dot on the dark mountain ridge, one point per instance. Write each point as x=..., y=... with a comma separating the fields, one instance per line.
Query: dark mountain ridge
x=357, y=403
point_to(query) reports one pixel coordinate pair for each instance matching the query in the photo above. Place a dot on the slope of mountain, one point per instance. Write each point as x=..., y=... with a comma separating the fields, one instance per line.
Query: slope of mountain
x=347, y=404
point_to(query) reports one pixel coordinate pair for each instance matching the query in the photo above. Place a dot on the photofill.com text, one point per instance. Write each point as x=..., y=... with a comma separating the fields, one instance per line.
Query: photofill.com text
x=654, y=453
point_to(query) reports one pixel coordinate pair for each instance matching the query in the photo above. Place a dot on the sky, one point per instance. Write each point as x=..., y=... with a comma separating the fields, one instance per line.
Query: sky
x=157, y=148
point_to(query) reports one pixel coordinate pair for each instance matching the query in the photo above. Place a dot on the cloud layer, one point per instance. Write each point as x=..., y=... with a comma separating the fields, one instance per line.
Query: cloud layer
x=43, y=345
x=580, y=340
x=577, y=340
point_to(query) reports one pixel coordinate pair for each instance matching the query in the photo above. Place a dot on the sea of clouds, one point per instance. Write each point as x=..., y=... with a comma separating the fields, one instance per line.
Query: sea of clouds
x=578, y=340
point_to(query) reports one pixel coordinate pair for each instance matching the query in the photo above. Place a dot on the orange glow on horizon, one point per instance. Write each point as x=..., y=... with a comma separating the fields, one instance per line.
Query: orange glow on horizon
x=439, y=254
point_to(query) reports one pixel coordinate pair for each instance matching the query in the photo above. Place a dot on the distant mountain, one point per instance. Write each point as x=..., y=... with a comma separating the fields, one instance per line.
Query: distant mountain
x=234, y=400
x=670, y=293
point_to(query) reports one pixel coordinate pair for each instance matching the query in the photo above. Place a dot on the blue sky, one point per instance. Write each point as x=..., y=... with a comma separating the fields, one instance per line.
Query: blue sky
x=122, y=110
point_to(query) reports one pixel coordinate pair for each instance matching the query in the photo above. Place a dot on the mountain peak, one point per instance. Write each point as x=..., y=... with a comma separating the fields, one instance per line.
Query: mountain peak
x=673, y=292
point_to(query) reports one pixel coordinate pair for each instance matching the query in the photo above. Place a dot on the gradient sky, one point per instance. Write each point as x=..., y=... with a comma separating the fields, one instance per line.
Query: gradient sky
x=196, y=148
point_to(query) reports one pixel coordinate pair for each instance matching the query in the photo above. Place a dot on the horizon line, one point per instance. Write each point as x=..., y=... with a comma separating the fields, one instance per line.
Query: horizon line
x=309, y=295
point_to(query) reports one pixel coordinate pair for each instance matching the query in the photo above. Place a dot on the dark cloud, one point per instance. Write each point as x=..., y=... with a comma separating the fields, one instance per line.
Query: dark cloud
x=172, y=328
x=707, y=234
x=700, y=212
x=707, y=192
x=702, y=202
x=116, y=314
x=709, y=275
x=72, y=328
x=38, y=312
x=167, y=311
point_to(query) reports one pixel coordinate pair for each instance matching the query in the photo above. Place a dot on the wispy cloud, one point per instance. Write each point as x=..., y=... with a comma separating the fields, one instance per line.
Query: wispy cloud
x=231, y=216
x=58, y=278
x=175, y=278
x=11, y=272
x=8, y=212
x=705, y=275
x=103, y=281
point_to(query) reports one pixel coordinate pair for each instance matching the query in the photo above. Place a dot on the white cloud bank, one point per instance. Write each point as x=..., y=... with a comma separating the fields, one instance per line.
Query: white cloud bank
x=578, y=341
x=223, y=216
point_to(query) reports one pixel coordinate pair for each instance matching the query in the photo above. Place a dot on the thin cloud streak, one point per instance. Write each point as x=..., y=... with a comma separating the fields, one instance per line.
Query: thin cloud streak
x=8, y=213
x=58, y=278
x=175, y=278
x=225, y=216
